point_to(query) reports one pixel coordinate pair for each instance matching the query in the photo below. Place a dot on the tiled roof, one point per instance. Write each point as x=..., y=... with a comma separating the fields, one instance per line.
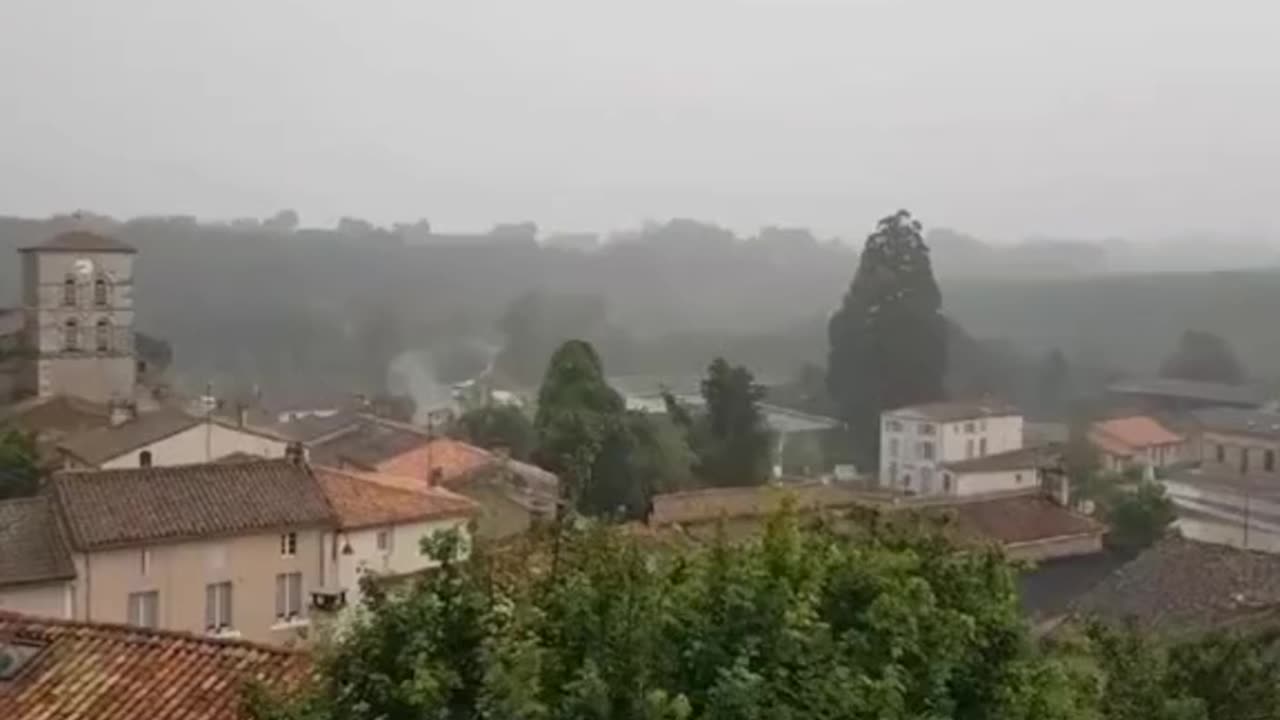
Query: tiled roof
x=1137, y=432
x=85, y=671
x=369, y=499
x=371, y=442
x=1182, y=584
x=956, y=411
x=32, y=548
x=1024, y=517
x=1020, y=459
x=103, y=444
x=1260, y=423
x=710, y=505
x=1198, y=391
x=452, y=458
x=81, y=241
x=104, y=508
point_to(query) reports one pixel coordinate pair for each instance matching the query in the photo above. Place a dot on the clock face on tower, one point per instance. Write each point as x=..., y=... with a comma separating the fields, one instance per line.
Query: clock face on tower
x=84, y=267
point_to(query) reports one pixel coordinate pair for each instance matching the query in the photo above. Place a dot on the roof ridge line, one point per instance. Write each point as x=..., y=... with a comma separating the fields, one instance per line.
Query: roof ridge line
x=122, y=628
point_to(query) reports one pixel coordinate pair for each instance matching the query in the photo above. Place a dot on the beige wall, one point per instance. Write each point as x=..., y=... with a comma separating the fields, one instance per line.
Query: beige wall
x=179, y=572
x=45, y=599
x=978, y=483
x=403, y=556
x=203, y=443
x=1234, y=447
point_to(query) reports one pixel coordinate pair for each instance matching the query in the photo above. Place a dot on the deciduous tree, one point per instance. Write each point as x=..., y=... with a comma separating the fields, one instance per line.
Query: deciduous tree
x=1203, y=356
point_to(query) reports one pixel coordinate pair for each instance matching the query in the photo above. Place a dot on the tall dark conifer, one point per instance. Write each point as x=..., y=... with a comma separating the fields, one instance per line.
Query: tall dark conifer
x=888, y=339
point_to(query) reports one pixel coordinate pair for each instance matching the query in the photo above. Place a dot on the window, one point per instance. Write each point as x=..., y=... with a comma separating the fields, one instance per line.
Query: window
x=982, y=447
x=1269, y=461
x=69, y=291
x=71, y=335
x=144, y=562
x=289, y=596
x=968, y=449
x=926, y=451
x=144, y=458
x=100, y=292
x=892, y=426
x=1222, y=453
x=893, y=447
x=143, y=608
x=946, y=482
x=1244, y=460
x=102, y=335
x=217, y=607
x=384, y=541
x=1017, y=478
x=928, y=429
x=288, y=545
x=969, y=428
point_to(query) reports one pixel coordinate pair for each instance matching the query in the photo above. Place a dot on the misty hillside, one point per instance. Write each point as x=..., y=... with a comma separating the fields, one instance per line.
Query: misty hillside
x=315, y=308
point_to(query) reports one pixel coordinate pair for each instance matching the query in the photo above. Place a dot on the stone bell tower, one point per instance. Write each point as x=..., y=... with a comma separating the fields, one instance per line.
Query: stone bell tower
x=77, y=302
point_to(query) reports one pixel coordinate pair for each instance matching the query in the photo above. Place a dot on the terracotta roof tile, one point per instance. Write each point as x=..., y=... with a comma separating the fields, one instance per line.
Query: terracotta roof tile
x=83, y=671
x=104, y=508
x=368, y=442
x=713, y=504
x=1137, y=432
x=103, y=444
x=1182, y=584
x=1020, y=459
x=369, y=499
x=452, y=458
x=32, y=548
x=955, y=411
x=1012, y=519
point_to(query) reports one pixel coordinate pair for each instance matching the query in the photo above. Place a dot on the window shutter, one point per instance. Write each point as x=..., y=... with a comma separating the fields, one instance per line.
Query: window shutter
x=226, y=617
x=211, y=607
x=280, y=596
x=295, y=594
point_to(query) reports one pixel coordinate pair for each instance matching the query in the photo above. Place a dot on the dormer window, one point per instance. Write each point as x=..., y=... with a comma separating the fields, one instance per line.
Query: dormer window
x=69, y=291
x=100, y=292
x=71, y=335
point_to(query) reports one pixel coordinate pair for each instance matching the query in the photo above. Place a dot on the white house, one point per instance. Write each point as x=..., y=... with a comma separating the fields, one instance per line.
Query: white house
x=1003, y=472
x=166, y=437
x=381, y=521
x=917, y=441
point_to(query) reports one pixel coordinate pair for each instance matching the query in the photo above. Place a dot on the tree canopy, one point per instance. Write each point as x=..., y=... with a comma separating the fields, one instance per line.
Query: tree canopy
x=582, y=433
x=497, y=427
x=870, y=623
x=733, y=444
x=19, y=469
x=888, y=345
x=1203, y=356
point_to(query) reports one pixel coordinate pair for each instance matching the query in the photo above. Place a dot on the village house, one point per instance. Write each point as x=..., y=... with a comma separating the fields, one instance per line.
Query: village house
x=380, y=522
x=1014, y=470
x=73, y=669
x=1140, y=443
x=226, y=549
x=166, y=437
x=1238, y=441
x=917, y=442
x=36, y=571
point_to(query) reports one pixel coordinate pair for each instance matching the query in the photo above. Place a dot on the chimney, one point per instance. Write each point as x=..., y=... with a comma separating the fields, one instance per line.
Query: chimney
x=295, y=453
x=120, y=413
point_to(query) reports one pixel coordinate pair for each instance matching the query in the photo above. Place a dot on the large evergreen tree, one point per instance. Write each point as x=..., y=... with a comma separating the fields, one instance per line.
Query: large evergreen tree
x=735, y=445
x=583, y=435
x=888, y=339
x=1203, y=356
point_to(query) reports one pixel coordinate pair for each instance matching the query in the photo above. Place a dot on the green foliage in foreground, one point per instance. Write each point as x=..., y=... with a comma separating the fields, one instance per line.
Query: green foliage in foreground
x=19, y=471
x=802, y=623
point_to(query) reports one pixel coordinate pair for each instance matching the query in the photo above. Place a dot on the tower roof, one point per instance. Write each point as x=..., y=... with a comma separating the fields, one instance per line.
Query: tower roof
x=81, y=241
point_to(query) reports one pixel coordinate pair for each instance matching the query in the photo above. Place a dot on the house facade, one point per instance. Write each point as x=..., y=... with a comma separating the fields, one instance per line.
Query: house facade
x=1139, y=442
x=37, y=575
x=381, y=521
x=164, y=438
x=1236, y=441
x=917, y=441
x=1015, y=470
x=231, y=550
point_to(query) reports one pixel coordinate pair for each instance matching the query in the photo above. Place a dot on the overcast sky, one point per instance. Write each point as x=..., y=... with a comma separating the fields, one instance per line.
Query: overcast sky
x=1123, y=117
